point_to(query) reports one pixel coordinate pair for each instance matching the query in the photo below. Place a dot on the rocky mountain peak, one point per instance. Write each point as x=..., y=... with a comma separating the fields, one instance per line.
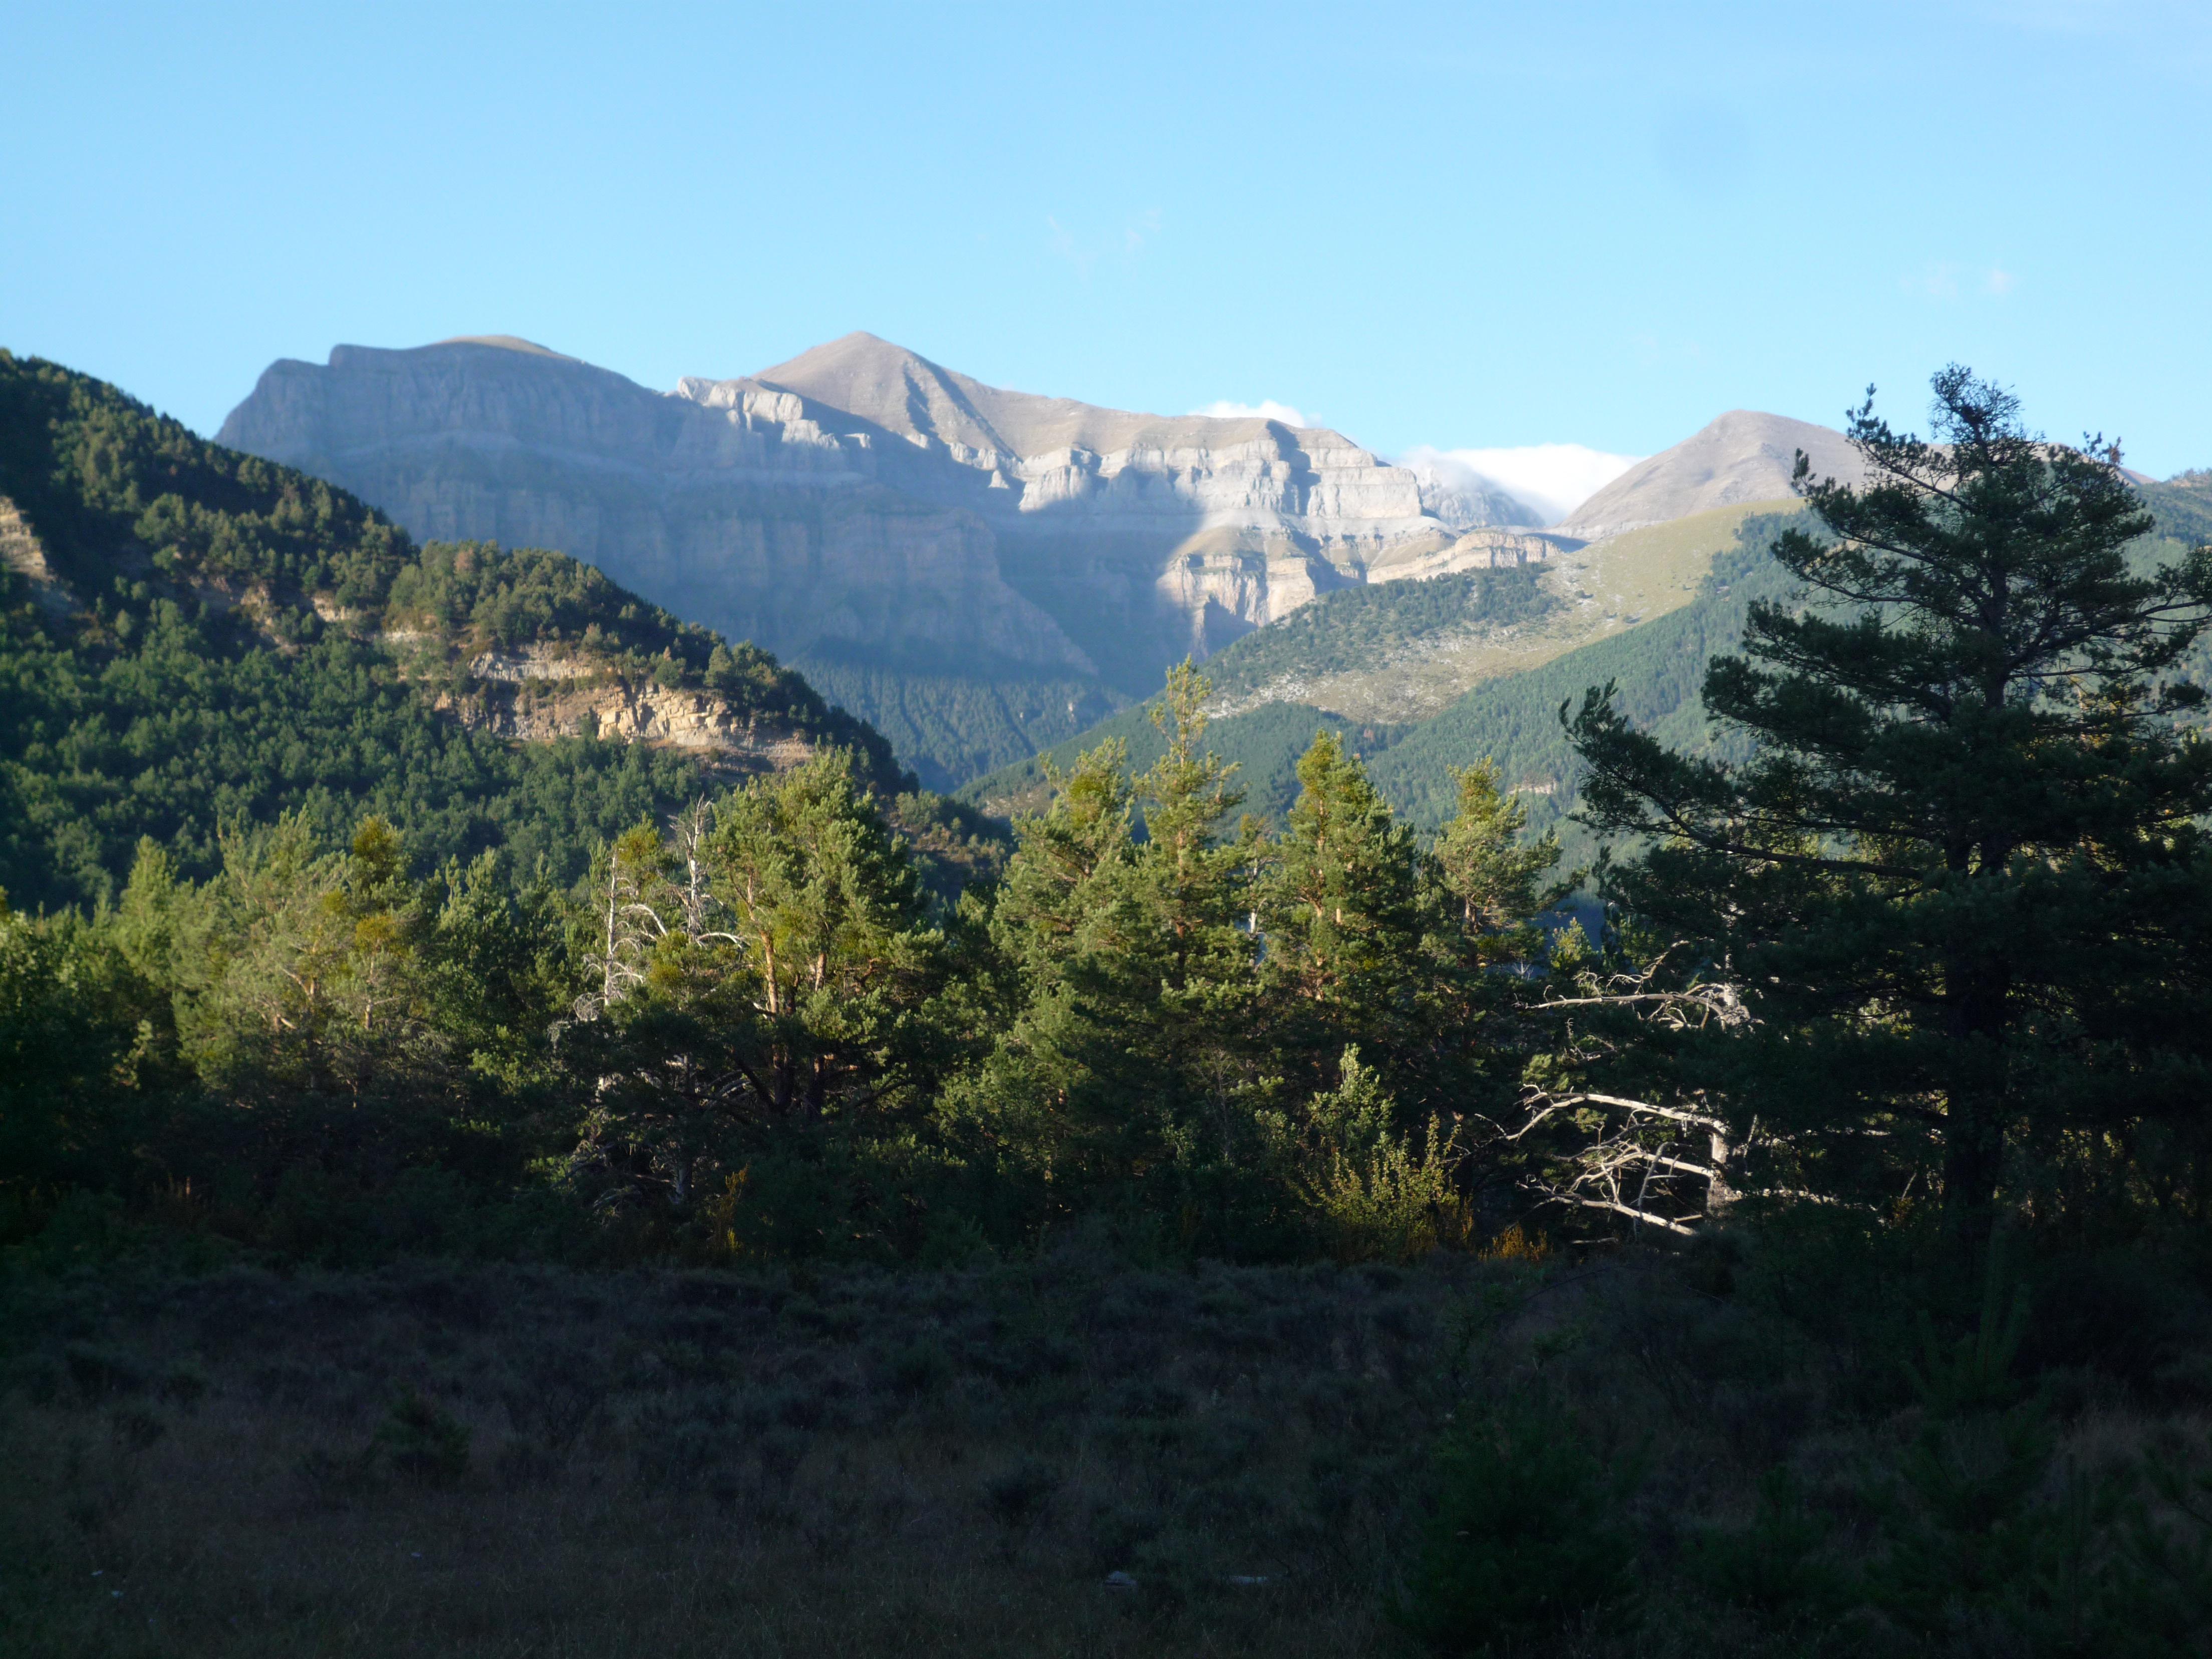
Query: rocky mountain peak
x=906, y=393
x=1743, y=456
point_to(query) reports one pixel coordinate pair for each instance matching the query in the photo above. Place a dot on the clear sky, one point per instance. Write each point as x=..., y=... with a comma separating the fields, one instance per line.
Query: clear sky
x=1470, y=225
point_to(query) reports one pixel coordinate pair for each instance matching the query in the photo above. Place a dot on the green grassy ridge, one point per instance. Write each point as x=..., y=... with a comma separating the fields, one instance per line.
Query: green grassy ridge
x=1657, y=666
x=224, y=663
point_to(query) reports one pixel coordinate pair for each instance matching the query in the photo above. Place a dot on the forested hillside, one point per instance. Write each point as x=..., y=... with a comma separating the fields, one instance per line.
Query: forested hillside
x=1363, y=627
x=959, y=725
x=1658, y=669
x=192, y=638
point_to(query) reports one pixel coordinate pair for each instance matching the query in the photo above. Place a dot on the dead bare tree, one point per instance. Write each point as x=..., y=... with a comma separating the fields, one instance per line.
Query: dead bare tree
x=657, y=886
x=1670, y=1165
x=1641, y=1158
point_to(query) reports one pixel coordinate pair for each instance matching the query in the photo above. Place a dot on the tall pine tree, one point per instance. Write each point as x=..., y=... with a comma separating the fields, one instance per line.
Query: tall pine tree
x=1963, y=869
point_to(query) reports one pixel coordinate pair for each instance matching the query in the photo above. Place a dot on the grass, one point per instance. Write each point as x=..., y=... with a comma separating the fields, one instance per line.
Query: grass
x=515, y=1459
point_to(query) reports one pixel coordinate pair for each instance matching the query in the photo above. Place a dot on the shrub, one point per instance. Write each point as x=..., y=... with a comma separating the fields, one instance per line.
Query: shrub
x=1019, y=1494
x=135, y=1428
x=1375, y=1194
x=920, y=1368
x=424, y=1442
x=185, y=1384
x=1526, y=1533
x=1771, y=1565
x=97, y=1371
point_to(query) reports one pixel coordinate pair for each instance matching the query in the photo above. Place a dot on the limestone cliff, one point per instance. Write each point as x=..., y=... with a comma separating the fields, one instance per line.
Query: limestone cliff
x=21, y=552
x=876, y=518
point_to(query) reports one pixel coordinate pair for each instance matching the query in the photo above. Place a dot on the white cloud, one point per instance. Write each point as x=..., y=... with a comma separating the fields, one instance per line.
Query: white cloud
x=1945, y=280
x=1266, y=410
x=1064, y=245
x=1940, y=280
x=1552, y=478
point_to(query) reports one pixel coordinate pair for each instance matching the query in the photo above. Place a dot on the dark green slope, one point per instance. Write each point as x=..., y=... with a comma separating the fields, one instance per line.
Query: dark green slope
x=1658, y=669
x=210, y=645
x=957, y=727
x=968, y=725
x=2183, y=507
x=1265, y=744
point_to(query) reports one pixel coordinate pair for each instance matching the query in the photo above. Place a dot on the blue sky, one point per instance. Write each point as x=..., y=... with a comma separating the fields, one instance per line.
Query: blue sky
x=1470, y=225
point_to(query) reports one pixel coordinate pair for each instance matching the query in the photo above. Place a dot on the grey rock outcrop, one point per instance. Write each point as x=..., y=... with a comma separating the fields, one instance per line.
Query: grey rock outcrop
x=753, y=515
x=21, y=552
x=1744, y=456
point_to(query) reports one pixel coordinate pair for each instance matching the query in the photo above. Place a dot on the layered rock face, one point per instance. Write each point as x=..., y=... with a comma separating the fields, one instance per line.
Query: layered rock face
x=1145, y=536
x=750, y=514
x=537, y=695
x=878, y=520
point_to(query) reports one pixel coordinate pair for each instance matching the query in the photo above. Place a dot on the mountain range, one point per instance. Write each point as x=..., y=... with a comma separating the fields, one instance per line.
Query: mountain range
x=976, y=572
x=200, y=638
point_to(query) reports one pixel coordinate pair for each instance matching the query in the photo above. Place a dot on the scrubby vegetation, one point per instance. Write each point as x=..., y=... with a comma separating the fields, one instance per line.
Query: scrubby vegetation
x=866, y=1235
x=1363, y=627
x=1758, y=1455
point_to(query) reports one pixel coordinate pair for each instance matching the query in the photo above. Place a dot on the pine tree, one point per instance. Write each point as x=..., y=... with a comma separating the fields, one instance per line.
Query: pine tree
x=1189, y=882
x=1126, y=1073
x=1340, y=903
x=1487, y=875
x=1054, y=891
x=1962, y=868
x=768, y=971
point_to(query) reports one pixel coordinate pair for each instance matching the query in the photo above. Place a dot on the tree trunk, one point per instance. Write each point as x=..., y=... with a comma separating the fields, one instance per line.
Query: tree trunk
x=1974, y=1116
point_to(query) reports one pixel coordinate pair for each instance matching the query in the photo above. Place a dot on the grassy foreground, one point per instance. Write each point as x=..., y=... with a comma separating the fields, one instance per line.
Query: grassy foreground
x=513, y=1460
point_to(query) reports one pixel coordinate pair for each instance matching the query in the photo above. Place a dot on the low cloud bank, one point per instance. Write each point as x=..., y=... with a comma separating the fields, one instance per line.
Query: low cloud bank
x=1550, y=478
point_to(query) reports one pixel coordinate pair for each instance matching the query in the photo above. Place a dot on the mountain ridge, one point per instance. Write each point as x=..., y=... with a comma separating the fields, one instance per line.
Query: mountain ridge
x=981, y=571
